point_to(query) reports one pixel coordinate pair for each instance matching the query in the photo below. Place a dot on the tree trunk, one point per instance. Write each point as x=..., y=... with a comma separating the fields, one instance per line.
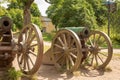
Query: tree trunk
x=27, y=13
x=56, y=28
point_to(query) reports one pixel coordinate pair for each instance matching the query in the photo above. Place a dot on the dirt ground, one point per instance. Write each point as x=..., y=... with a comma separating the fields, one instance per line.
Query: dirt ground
x=49, y=72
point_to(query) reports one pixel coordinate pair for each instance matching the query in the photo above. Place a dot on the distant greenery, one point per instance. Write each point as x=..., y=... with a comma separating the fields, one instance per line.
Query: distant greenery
x=48, y=36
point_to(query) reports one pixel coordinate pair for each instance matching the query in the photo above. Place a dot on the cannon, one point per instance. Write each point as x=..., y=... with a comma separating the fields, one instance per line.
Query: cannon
x=75, y=46
x=28, y=49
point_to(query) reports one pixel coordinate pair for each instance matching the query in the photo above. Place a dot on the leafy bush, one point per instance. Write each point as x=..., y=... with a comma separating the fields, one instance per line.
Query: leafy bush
x=13, y=74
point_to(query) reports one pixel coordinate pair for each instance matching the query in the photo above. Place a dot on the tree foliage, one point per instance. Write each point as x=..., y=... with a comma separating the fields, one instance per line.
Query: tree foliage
x=100, y=11
x=88, y=13
x=115, y=22
x=3, y=11
x=15, y=12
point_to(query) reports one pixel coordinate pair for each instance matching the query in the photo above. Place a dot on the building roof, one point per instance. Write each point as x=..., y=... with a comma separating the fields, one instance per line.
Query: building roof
x=45, y=19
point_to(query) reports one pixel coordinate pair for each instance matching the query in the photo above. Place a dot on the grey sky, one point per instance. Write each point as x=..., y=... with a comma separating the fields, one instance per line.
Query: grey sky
x=42, y=5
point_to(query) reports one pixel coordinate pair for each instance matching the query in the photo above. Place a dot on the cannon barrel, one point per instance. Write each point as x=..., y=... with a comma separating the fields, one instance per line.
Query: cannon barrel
x=5, y=24
x=81, y=31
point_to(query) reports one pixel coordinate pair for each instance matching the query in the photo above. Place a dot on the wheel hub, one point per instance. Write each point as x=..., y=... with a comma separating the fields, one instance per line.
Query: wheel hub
x=94, y=50
x=66, y=50
x=23, y=47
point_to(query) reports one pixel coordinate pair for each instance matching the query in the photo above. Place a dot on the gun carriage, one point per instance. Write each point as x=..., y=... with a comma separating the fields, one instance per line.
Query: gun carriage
x=28, y=49
x=74, y=46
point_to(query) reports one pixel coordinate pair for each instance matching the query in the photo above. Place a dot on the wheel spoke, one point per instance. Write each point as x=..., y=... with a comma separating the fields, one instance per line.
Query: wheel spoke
x=67, y=63
x=28, y=65
x=98, y=39
x=58, y=52
x=31, y=60
x=72, y=62
x=96, y=59
x=100, y=58
x=33, y=53
x=73, y=49
x=58, y=46
x=64, y=39
x=59, y=57
x=103, y=54
x=62, y=61
x=73, y=55
x=72, y=43
x=89, y=55
x=21, y=59
x=60, y=40
x=68, y=39
x=31, y=39
x=91, y=42
x=24, y=62
x=34, y=45
x=92, y=59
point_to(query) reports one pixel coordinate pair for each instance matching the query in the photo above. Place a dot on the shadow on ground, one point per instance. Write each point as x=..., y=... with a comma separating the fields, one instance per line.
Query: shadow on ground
x=48, y=72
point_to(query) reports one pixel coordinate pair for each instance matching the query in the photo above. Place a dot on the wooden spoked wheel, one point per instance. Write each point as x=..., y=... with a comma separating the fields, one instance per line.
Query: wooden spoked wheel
x=30, y=49
x=66, y=50
x=100, y=49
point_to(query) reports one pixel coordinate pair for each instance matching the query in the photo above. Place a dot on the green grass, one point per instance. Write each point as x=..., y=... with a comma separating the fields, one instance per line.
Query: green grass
x=107, y=69
x=117, y=54
x=48, y=36
x=116, y=46
x=13, y=74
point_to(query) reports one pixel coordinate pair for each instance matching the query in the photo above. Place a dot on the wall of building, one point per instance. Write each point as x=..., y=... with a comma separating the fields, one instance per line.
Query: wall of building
x=47, y=25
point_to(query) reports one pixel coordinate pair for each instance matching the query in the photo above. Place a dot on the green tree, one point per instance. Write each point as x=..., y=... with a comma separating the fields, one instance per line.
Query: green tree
x=34, y=10
x=3, y=11
x=100, y=11
x=54, y=12
x=15, y=12
x=27, y=9
x=71, y=13
x=14, y=4
x=115, y=23
x=17, y=18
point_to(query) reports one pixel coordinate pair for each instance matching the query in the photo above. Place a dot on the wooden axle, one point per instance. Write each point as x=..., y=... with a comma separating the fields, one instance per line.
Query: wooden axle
x=5, y=48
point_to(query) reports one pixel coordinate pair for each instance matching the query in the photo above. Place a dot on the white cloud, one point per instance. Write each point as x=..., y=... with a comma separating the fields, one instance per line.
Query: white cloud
x=42, y=5
x=4, y=4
